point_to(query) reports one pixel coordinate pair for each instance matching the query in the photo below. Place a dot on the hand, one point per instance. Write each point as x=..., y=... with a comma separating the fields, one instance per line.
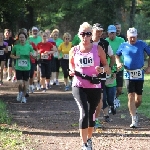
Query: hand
x=46, y=52
x=99, y=69
x=119, y=66
x=17, y=57
x=113, y=76
x=71, y=73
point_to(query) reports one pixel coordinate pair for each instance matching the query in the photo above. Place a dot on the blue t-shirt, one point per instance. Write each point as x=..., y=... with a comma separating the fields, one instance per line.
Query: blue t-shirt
x=133, y=59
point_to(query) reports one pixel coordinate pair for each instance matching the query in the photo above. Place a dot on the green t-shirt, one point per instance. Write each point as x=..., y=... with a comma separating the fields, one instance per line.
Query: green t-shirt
x=23, y=63
x=76, y=40
x=35, y=40
x=115, y=45
x=58, y=41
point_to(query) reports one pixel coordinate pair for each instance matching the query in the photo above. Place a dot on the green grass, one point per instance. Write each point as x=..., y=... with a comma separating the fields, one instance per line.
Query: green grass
x=10, y=139
x=145, y=106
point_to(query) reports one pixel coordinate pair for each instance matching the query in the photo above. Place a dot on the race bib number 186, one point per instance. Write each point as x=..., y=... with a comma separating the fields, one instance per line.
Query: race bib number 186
x=22, y=63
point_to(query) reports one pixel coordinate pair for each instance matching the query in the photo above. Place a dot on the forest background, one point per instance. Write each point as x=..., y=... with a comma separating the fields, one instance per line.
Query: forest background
x=67, y=15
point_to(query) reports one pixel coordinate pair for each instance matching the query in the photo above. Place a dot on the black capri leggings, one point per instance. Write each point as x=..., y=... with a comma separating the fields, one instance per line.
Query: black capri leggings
x=33, y=66
x=46, y=69
x=87, y=100
x=65, y=68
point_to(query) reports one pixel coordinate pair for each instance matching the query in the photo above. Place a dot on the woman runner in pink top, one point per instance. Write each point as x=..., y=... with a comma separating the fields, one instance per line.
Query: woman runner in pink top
x=84, y=65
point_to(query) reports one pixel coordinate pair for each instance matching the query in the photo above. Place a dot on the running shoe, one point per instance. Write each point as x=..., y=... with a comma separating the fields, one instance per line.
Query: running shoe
x=57, y=82
x=116, y=103
x=19, y=96
x=30, y=89
x=134, y=122
x=113, y=110
x=38, y=87
x=23, y=100
x=51, y=82
x=85, y=147
x=89, y=143
x=48, y=86
x=8, y=78
x=97, y=124
x=1, y=82
x=106, y=119
x=66, y=88
x=43, y=90
x=14, y=79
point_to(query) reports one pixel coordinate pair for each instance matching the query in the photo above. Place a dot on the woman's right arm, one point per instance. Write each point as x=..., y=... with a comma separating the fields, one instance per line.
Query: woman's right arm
x=12, y=55
x=71, y=62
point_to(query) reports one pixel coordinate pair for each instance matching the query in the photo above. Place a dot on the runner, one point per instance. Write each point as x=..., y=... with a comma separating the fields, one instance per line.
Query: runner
x=55, y=72
x=118, y=31
x=45, y=49
x=97, y=40
x=84, y=60
x=64, y=48
x=133, y=53
x=35, y=38
x=21, y=53
x=115, y=42
x=3, y=52
x=8, y=63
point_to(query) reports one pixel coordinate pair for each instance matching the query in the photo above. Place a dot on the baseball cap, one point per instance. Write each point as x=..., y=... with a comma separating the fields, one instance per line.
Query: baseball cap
x=35, y=28
x=132, y=32
x=97, y=26
x=111, y=28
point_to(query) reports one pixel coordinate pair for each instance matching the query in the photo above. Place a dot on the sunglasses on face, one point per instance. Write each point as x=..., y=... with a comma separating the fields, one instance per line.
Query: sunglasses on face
x=67, y=38
x=88, y=34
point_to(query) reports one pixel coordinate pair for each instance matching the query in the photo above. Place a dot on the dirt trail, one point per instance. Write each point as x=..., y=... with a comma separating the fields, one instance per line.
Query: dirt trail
x=51, y=120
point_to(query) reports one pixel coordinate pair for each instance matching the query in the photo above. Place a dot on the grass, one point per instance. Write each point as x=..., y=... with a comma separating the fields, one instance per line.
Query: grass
x=10, y=138
x=145, y=106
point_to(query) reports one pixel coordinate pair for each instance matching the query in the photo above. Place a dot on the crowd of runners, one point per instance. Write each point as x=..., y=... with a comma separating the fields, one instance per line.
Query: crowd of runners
x=94, y=63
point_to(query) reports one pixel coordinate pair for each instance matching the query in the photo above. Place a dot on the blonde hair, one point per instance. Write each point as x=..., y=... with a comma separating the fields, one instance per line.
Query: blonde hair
x=85, y=25
x=55, y=30
x=67, y=35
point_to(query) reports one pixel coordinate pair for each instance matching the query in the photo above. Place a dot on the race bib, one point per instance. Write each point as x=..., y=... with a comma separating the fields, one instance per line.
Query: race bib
x=44, y=56
x=55, y=54
x=135, y=74
x=1, y=52
x=86, y=61
x=22, y=63
x=66, y=56
x=9, y=48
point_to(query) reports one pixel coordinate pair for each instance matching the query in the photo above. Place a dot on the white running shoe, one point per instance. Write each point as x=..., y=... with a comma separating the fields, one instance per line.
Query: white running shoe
x=85, y=147
x=134, y=122
x=38, y=87
x=30, y=89
x=8, y=78
x=89, y=143
x=23, y=100
x=19, y=96
x=51, y=82
x=14, y=79
x=33, y=87
x=57, y=82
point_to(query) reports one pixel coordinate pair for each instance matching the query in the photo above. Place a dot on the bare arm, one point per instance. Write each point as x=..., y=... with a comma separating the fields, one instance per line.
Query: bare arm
x=119, y=64
x=112, y=60
x=103, y=60
x=71, y=62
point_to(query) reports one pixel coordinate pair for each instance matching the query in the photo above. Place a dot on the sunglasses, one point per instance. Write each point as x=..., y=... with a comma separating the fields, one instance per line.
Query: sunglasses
x=88, y=34
x=67, y=38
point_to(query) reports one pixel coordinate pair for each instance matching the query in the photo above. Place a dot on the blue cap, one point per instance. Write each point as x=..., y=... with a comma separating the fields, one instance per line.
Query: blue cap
x=111, y=28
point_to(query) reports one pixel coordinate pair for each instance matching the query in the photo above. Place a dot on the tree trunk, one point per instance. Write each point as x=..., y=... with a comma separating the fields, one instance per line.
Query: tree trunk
x=132, y=13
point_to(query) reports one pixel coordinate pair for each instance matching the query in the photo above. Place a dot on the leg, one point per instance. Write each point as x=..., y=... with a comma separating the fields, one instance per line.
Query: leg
x=2, y=69
x=81, y=99
x=119, y=80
